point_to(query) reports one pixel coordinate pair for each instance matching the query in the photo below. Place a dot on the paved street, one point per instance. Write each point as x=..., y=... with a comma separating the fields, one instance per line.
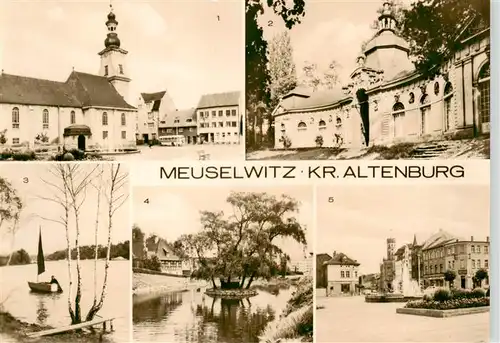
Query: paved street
x=232, y=152
x=350, y=319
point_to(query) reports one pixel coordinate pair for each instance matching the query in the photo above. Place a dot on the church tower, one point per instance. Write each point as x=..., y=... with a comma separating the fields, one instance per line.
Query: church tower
x=113, y=58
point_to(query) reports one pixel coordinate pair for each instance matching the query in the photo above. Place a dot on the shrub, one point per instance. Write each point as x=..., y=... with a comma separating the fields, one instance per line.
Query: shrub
x=27, y=155
x=449, y=304
x=442, y=295
x=68, y=157
x=467, y=294
x=478, y=293
x=287, y=142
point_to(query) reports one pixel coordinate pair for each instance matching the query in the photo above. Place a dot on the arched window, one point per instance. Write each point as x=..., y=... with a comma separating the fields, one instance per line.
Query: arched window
x=45, y=119
x=104, y=118
x=484, y=93
x=448, y=98
x=302, y=126
x=15, y=118
x=124, y=120
x=73, y=117
x=424, y=110
x=398, y=115
x=322, y=125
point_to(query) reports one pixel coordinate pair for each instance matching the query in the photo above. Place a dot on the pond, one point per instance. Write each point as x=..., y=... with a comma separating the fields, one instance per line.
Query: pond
x=193, y=316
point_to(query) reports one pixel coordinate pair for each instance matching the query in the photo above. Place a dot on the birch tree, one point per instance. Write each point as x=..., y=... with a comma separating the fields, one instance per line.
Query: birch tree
x=115, y=194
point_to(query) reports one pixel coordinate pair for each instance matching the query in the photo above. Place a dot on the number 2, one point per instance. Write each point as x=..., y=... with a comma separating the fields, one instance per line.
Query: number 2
x=270, y=23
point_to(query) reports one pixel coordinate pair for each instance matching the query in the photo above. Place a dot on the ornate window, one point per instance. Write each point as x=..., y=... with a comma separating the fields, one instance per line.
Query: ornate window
x=398, y=113
x=484, y=93
x=72, y=117
x=15, y=118
x=124, y=119
x=105, y=120
x=45, y=119
x=302, y=126
x=424, y=110
x=322, y=125
x=411, y=100
x=436, y=88
x=448, y=98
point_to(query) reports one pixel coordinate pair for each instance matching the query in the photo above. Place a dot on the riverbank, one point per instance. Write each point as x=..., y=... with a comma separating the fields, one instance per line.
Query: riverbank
x=151, y=283
x=15, y=330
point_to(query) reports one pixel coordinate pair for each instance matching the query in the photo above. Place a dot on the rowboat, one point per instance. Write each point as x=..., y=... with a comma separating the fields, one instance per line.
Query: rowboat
x=42, y=287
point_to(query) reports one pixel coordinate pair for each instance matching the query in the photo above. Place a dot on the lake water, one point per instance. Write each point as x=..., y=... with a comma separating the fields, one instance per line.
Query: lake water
x=52, y=309
x=195, y=317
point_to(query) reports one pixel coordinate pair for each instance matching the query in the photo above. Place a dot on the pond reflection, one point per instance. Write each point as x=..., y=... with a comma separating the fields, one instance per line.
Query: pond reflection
x=195, y=317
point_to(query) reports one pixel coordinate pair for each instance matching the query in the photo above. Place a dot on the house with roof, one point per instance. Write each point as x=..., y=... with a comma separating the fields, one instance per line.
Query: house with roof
x=341, y=275
x=153, y=109
x=219, y=118
x=387, y=101
x=88, y=112
x=180, y=123
x=170, y=262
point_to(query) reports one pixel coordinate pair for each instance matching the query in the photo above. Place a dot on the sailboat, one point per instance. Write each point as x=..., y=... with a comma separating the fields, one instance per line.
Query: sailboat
x=42, y=287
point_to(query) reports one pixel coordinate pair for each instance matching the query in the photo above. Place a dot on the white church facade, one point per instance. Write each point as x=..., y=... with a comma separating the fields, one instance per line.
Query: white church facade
x=387, y=101
x=87, y=111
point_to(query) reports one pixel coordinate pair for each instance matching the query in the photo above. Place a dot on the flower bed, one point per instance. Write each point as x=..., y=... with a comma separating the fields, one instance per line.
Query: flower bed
x=449, y=304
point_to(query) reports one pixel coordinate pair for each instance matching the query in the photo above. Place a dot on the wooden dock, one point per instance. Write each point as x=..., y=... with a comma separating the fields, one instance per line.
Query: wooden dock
x=89, y=324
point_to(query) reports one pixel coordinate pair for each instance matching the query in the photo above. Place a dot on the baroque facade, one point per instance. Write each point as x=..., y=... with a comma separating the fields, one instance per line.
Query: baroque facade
x=387, y=101
x=87, y=111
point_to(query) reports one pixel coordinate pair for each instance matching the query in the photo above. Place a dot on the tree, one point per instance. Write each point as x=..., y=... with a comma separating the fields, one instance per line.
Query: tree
x=10, y=212
x=242, y=245
x=316, y=79
x=116, y=195
x=257, y=75
x=3, y=136
x=432, y=28
x=480, y=275
x=450, y=276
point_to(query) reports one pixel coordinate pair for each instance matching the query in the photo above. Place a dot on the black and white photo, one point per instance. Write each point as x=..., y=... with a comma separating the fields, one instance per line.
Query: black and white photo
x=221, y=264
x=121, y=80
x=364, y=80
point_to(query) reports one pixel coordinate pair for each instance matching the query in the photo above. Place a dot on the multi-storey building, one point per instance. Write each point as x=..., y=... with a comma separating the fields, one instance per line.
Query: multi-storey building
x=342, y=275
x=388, y=267
x=321, y=280
x=88, y=112
x=153, y=109
x=180, y=123
x=219, y=118
x=444, y=251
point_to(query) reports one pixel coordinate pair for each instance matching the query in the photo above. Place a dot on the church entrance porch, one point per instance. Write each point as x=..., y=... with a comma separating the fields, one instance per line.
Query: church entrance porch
x=81, y=142
x=76, y=136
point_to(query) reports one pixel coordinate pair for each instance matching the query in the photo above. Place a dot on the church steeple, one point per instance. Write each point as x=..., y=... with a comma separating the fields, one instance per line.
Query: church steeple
x=112, y=38
x=414, y=240
x=386, y=20
x=113, y=58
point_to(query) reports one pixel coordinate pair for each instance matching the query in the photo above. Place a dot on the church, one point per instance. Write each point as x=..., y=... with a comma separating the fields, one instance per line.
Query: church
x=87, y=111
x=388, y=102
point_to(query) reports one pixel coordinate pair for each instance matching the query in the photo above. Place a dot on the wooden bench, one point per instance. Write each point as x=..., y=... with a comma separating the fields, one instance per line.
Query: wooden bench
x=68, y=328
x=202, y=155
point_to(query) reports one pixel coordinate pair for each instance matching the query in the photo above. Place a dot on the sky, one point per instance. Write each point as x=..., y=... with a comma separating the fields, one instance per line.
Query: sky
x=330, y=30
x=188, y=48
x=53, y=234
x=173, y=211
x=361, y=218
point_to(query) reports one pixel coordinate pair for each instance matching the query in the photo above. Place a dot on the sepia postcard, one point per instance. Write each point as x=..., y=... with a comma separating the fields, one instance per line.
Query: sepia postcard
x=364, y=80
x=65, y=253
x=129, y=81
x=220, y=264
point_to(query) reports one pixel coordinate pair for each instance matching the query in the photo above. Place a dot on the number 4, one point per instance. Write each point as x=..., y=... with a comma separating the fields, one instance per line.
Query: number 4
x=146, y=201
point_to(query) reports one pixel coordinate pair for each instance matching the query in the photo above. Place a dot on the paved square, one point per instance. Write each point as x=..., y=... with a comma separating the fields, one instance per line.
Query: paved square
x=233, y=152
x=351, y=319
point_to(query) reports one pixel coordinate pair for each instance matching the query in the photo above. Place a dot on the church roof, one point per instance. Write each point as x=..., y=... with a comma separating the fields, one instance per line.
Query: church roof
x=341, y=259
x=31, y=91
x=219, y=100
x=80, y=90
x=386, y=38
x=315, y=99
x=183, y=116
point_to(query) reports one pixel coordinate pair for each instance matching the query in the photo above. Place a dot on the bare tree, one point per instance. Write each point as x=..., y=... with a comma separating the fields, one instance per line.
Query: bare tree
x=98, y=187
x=70, y=194
x=116, y=195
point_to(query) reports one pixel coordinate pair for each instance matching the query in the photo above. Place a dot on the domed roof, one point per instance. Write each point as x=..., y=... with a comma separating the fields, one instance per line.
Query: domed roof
x=111, y=15
x=77, y=130
x=386, y=38
x=112, y=40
